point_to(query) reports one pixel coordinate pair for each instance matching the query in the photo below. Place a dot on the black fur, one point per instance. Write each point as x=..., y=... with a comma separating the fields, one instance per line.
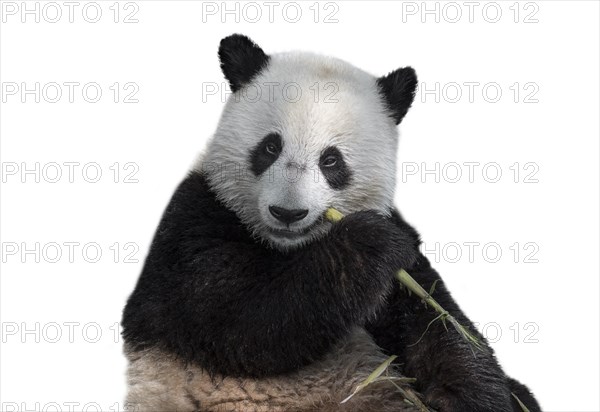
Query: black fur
x=398, y=89
x=260, y=158
x=241, y=60
x=213, y=295
x=338, y=175
x=524, y=395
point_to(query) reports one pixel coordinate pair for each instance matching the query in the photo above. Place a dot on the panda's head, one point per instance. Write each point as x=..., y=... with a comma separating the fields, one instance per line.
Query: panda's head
x=302, y=133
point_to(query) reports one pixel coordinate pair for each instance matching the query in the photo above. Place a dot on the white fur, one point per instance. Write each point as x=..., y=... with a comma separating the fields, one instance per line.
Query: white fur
x=357, y=123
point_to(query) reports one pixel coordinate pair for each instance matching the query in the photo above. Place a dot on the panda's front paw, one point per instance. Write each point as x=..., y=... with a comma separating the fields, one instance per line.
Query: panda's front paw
x=447, y=400
x=377, y=235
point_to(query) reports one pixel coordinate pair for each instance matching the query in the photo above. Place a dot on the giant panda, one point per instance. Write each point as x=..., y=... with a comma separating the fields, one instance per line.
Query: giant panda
x=250, y=300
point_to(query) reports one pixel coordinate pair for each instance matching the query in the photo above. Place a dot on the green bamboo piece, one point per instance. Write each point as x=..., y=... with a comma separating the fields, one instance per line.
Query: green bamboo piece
x=372, y=377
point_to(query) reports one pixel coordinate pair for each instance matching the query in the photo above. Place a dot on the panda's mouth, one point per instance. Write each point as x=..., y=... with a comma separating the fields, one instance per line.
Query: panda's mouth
x=291, y=234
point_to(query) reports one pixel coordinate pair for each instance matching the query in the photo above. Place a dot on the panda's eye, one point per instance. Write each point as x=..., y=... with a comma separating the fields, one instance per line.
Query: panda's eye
x=329, y=161
x=265, y=153
x=271, y=148
x=334, y=168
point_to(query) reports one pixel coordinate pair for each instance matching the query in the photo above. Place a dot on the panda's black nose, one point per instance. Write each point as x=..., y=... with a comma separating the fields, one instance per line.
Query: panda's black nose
x=288, y=216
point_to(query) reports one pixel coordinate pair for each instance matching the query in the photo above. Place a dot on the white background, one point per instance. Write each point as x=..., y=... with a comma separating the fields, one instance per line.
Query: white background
x=549, y=295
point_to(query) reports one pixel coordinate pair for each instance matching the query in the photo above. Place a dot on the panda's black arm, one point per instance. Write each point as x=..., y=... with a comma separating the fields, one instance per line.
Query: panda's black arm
x=451, y=374
x=448, y=373
x=211, y=294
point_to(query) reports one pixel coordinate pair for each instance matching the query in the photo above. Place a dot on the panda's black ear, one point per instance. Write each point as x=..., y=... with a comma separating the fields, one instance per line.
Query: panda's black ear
x=398, y=89
x=241, y=60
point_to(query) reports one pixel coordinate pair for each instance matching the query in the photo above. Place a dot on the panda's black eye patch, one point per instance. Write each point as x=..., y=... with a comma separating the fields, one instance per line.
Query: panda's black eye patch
x=334, y=168
x=265, y=153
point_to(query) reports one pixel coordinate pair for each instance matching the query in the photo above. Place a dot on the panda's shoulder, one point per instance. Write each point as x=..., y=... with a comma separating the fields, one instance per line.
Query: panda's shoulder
x=195, y=212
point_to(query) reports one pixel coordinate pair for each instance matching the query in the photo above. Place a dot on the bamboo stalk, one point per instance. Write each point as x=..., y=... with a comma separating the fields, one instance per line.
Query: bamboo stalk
x=413, y=286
